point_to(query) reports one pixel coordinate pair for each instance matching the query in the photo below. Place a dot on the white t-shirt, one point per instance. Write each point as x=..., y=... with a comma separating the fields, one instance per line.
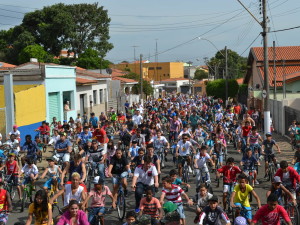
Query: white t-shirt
x=14, y=145
x=27, y=171
x=69, y=196
x=184, y=148
x=201, y=160
x=137, y=119
x=159, y=143
x=147, y=177
x=17, y=133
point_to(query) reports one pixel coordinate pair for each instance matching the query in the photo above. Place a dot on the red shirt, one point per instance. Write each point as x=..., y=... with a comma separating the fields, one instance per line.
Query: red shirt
x=237, y=109
x=44, y=130
x=3, y=200
x=269, y=217
x=121, y=119
x=11, y=167
x=246, y=130
x=229, y=173
x=99, y=135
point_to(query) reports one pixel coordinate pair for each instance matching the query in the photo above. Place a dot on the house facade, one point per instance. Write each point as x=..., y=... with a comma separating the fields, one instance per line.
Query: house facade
x=176, y=85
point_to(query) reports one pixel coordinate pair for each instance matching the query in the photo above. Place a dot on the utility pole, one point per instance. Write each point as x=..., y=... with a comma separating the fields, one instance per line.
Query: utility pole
x=141, y=77
x=284, y=80
x=190, y=63
x=226, y=75
x=134, y=46
x=274, y=70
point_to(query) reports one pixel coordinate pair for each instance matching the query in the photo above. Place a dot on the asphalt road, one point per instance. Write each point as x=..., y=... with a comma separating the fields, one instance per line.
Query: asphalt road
x=111, y=217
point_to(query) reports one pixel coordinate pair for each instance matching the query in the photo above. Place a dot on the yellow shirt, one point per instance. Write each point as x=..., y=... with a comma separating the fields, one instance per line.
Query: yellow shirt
x=41, y=218
x=242, y=197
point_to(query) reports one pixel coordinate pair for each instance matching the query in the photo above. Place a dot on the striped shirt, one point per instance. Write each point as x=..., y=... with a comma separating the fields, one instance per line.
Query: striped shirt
x=173, y=195
x=150, y=208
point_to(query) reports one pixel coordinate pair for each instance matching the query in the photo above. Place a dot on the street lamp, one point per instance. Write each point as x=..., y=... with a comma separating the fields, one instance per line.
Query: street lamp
x=226, y=65
x=189, y=63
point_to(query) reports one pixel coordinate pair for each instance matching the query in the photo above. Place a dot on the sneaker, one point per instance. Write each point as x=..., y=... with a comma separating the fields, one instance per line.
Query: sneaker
x=190, y=170
x=125, y=193
x=266, y=175
x=137, y=210
x=256, y=182
x=196, y=220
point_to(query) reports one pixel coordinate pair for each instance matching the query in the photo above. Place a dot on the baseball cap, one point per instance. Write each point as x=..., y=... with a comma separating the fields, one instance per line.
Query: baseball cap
x=214, y=198
x=277, y=179
x=98, y=180
x=51, y=159
x=11, y=154
x=89, y=140
x=15, y=126
x=240, y=221
x=269, y=134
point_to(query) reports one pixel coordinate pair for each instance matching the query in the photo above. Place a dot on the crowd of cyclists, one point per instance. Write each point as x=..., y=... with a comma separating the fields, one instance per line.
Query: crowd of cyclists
x=195, y=134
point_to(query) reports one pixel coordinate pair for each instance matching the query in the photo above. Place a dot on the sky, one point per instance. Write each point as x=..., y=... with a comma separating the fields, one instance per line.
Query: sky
x=175, y=26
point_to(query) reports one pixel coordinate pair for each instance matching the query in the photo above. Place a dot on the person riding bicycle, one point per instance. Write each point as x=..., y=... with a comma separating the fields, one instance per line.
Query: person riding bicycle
x=201, y=200
x=174, y=194
x=73, y=215
x=139, y=138
x=278, y=189
x=54, y=172
x=138, y=160
x=16, y=132
x=267, y=150
x=271, y=213
x=5, y=203
x=212, y=214
x=252, y=141
x=133, y=150
x=44, y=131
x=63, y=148
x=75, y=166
x=200, y=163
x=248, y=163
x=100, y=135
x=289, y=177
x=159, y=142
x=83, y=137
x=217, y=151
x=97, y=156
x=246, y=129
x=174, y=128
x=30, y=172
x=119, y=169
x=175, y=180
x=144, y=176
x=296, y=158
x=13, y=144
x=98, y=195
x=240, y=198
x=194, y=119
x=229, y=177
x=184, y=149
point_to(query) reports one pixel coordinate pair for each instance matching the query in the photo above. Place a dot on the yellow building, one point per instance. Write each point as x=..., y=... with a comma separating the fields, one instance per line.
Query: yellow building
x=156, y=71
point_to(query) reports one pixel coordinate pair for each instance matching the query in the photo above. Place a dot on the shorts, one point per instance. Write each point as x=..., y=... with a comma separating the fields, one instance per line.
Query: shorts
x=26, y=180
x=269, y=157
x=93, y=211
x=227, y=187
x=64, y=156
x=180, y=210
x=14, y=180
x=49, y=182
x=220, y=157
x=116, y=179
x=182, y=159
x=248, y=213
x=45, y=136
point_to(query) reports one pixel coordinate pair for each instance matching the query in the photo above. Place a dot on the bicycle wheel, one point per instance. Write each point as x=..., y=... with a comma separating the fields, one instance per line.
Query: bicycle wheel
x=121, y=206
x=12, y=191
x=24, y=199
x=293, y=213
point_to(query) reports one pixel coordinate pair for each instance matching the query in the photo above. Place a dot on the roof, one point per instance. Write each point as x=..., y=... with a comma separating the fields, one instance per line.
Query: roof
x=118, y=73
x=84, y=81
x=138, y=61
x=4, y=66
x=289, y=71
x=240, y=80
x=83, y=72
x=124, y=80
x=174, y=79
x=282, y=53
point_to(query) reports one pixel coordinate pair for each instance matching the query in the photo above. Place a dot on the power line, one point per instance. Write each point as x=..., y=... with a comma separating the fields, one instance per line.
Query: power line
x=291, y=28
x=250, y=44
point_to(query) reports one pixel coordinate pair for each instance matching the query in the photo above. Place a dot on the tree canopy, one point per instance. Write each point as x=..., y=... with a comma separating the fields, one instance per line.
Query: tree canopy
x=237, y=65
x=147, y=88
x=76, y=28
x=200, y=74
x=217, y=88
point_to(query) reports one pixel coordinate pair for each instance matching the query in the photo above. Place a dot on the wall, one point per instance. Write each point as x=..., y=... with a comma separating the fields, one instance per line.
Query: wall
x=293, y=87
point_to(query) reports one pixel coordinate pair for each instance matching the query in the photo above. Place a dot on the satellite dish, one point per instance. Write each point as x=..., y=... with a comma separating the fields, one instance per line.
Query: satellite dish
x=109, y=70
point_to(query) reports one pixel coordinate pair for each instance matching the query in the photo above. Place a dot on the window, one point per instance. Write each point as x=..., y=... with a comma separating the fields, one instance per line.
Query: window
x=95, y=97
x=101, y=96
x=151, y=68
x=68, y=99
x=158, y=68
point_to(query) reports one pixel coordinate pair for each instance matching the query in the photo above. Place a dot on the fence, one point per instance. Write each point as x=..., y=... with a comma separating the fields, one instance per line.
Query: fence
x=3, y=122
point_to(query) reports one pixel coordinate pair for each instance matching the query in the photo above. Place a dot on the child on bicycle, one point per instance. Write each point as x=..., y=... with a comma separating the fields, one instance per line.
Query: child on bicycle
x=271, y=213
x=213, y=213
x=267, y=150
x=98, y=195
x=200, y=163
x=54, y=172
x=240, y=198
x=229, y=172
x=173, y=193
x=130, y=218
x=249, y=162
x=40, y=209
x=30, y=172
x=201, y=199
x=217, y=151
x=252, y=141
x=175, y=180
x=5, y=203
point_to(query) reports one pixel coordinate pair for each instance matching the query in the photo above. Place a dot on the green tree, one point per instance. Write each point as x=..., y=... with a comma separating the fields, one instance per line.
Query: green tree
x=91, y=60
x=217, y=88
x=200, y=75
x=237, y=65
x=147, y=88
x=33, y=51
x=132, y=75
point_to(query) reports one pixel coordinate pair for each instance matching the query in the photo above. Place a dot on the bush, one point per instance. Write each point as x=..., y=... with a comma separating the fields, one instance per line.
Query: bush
x=217, y=88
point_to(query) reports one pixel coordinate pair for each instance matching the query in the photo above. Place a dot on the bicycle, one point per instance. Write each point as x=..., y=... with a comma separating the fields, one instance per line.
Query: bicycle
x=240, y=211
x=10, y=186
x=121, y=201
x=91, y=172
x=97, y=218
x=185, y=170
x=161, y=155
x=202, y=177
x=27, y=194
x=293, y=212
x=271, y=168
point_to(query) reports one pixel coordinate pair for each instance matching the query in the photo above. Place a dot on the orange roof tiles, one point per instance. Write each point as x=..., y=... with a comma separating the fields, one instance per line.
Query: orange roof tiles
x=85, y=81
x=174, y=79
x=124, y=80
x=4, y=65
x=240, y=80
x=82, y=72
x=285, y=52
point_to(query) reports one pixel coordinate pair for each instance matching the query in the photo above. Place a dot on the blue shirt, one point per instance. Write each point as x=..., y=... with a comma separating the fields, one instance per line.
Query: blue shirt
x=297, y=167
x=249, y=163
x=62, y=144
x=177, y=181
x=84, y=137
x=30, y=147
x=134, y=151
x=94, y=121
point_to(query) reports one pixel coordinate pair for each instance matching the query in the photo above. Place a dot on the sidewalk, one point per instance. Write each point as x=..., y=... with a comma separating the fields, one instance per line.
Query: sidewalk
x=287, y=153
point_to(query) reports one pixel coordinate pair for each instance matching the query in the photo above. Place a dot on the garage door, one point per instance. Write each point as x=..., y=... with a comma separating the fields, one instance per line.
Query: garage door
x=53, y=106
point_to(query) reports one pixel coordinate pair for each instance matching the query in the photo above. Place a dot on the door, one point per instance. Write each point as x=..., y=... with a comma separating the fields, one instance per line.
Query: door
x=53, y=106
x=81, y=104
